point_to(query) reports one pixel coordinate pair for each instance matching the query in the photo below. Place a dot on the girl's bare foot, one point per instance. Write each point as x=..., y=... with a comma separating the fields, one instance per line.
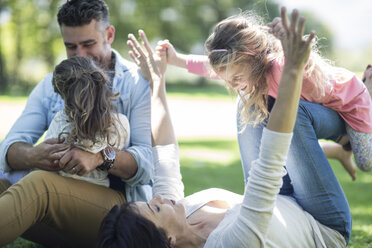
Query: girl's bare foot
x=335, y=151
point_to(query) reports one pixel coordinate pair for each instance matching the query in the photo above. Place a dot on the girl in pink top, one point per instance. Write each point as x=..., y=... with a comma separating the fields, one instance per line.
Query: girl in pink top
x=242, y=52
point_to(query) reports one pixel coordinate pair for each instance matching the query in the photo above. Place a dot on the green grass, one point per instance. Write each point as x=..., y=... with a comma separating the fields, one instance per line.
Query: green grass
x=216, y=163
x=208, y=90
x=17, y=99
x=200, y=173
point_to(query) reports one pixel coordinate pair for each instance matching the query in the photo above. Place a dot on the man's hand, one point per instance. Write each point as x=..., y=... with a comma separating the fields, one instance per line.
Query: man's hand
x=47, y=154
x=80, y=162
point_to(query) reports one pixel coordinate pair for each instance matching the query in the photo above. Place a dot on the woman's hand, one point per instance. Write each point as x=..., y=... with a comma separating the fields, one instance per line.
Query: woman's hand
x=152, y=66
x=296, y=52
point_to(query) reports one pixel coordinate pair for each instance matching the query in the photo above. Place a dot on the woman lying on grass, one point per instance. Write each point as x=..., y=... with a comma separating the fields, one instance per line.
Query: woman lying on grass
x=219, y=218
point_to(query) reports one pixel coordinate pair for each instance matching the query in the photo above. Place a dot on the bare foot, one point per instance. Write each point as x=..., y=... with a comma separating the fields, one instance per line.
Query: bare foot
x=346, y=159
x=335, y=151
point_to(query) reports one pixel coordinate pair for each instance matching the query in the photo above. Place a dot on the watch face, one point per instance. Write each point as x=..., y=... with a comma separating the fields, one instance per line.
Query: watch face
x=110, y=153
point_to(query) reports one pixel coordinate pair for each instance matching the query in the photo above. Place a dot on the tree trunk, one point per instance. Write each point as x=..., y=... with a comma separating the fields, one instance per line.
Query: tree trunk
x=3, y=75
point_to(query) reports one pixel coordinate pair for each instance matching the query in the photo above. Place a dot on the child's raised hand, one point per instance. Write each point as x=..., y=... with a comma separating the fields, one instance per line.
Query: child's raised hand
x=296, y=48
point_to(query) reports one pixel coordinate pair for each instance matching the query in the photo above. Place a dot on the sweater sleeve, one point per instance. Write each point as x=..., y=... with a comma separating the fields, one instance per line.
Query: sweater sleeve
x=199, y=65
x=251, y=225
x=167, y=175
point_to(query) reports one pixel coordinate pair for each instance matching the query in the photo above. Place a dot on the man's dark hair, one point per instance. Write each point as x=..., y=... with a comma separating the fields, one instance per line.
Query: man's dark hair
x=75, y=13
x=125, y=227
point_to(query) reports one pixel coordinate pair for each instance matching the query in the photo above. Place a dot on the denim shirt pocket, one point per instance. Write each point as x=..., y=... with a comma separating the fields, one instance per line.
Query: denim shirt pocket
x=123, y=105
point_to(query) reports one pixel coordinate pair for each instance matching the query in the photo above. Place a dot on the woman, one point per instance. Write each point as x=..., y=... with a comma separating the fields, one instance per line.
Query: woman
x=217, y=218
x=314, y=121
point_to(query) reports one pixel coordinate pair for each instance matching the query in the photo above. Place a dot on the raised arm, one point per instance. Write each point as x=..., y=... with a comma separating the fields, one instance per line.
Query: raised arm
x=167, y=176
x=153, y=67
x=296, y=51
x=196, y=64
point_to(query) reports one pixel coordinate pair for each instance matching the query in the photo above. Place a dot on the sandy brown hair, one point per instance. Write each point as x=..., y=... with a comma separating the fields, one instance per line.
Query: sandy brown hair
x=244, y=39
x=87, y=97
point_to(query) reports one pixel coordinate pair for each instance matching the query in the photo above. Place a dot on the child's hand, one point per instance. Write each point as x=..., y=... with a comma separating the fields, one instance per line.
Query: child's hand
x=172, y=55
x=275, y=26
x=296, y=48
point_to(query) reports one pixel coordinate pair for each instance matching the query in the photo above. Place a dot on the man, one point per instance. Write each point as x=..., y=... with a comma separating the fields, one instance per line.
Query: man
x=86, y=31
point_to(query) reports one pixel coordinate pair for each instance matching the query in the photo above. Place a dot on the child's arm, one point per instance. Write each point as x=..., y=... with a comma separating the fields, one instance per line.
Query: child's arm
x=196, y=64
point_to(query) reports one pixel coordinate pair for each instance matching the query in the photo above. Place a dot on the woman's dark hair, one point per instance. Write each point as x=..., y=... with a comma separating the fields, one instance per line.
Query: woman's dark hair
x=87, y=97
x=124, y=227
x=75, y=13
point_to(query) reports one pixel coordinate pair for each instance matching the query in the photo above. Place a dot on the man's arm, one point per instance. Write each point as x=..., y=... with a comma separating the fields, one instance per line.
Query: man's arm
x=17, y=151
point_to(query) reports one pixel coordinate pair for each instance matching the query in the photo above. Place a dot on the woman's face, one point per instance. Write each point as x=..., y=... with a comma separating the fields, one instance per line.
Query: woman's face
x=236, y=76
x=164, y=213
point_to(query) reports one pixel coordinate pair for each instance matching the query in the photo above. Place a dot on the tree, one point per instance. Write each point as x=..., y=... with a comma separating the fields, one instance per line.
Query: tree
x=3, y=75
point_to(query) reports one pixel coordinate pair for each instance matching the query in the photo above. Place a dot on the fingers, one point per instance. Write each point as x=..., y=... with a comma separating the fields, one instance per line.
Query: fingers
x=285, y=21
x=66, y=158
x=145, y=42
x=274, y=22
x=56, y=156
x=294, y=18
x=301, y=26
x=310, y=38
x=135, y=47
x=132, y=52
x=51, y=141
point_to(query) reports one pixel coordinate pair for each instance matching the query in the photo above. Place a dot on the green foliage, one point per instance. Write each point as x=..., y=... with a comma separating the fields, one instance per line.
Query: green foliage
x=30, y=42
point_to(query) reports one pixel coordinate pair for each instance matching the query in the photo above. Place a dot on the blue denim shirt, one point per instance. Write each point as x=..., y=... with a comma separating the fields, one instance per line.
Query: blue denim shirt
x=134, y=102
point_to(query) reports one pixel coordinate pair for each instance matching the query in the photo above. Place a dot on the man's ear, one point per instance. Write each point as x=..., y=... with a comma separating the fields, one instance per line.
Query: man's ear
x=110, y=34
x=172, y=240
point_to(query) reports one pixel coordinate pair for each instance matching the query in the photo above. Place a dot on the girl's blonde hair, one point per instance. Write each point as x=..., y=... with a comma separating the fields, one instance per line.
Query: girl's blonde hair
x=244, y=39
x=87, y=97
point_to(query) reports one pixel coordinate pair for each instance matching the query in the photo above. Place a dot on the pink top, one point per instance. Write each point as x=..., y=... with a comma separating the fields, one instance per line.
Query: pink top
x=348, y=95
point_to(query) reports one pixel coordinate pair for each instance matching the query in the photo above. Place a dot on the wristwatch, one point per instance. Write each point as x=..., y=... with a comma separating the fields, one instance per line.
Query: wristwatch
x=108, y=155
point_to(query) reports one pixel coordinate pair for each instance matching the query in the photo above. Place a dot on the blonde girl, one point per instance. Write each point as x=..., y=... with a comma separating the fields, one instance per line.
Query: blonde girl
x=243, y=51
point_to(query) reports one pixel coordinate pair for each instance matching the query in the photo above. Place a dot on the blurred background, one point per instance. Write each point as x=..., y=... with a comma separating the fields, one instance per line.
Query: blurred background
x=202, y=110
x=31, y=45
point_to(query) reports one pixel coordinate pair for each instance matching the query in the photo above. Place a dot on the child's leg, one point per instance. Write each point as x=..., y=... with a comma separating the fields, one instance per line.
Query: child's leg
x=249, y=139
x=316, y=187
x=361, y=144
x=336, y=151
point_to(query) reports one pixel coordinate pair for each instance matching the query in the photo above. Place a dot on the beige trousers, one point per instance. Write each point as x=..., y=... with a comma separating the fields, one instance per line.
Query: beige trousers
x=73, y=208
